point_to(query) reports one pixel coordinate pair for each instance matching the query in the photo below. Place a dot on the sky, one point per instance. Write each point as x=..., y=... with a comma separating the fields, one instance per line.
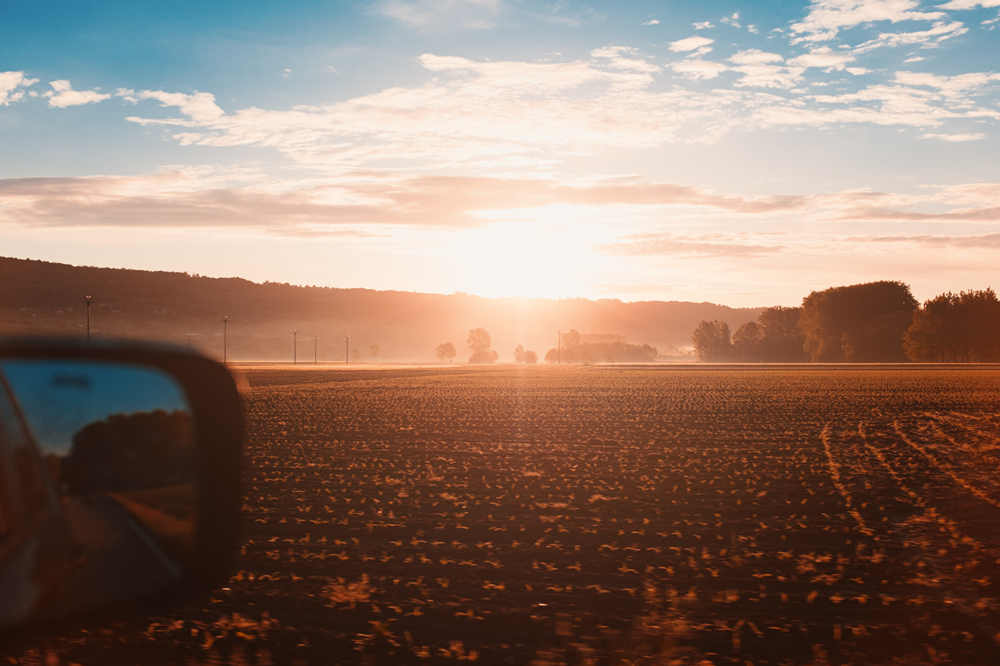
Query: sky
x=740, y=153
x=59, y=398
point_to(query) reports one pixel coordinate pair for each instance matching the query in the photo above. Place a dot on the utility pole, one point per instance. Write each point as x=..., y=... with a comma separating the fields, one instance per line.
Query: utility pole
x=315, y=350
x=88, y=300
x=295, y=346
x=347, y=350
x=225, y=339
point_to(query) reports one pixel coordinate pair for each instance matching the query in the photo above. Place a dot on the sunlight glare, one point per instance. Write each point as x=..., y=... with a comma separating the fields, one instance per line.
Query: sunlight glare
x=547, y=252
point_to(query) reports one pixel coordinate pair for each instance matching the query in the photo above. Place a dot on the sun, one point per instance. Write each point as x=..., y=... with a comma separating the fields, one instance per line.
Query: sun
x=548, y=256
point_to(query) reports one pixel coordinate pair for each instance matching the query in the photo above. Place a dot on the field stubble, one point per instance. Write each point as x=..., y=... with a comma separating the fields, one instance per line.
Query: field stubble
x=602, y=515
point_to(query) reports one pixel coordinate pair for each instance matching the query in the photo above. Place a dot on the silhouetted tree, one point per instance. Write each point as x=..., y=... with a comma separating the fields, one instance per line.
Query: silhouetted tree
x=519, y=353
x=131, y=452
x=956, y=327
x=862, y=322
x=571, y=338
x=747, y=342
x=712, y=341
x=486, y=356
x=574, y=350
x=774, y=337
x=479, y=342
x=783, y=341
x=445, y=351
x=530, y=357
x=479, y=339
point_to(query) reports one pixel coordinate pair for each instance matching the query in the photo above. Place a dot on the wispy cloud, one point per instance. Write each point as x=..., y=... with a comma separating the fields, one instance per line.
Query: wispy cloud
x=203, y=199
x=760, y=70
x=674, y=245
x=624, y=58
x=954, y=138
x=696, y=68
x=690, y=44
x=62, y=95
x=732, y=20
x=952, y=87
x=505, y=115
x=987, y=214
x=13, y=86
x=755, y=57
x=366, y=200
x=987, y=241
x=199, y=107
x=826, y=18
x=652, y=21
x=955, y=5
x=930, y=38
x=823, y=57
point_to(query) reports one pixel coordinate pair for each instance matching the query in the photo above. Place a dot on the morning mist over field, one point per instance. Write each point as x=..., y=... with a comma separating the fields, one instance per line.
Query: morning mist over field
x=737, y=154
x=384, y=326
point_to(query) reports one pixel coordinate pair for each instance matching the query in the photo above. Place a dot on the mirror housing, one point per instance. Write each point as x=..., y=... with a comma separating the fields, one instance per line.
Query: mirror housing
x=211, y=421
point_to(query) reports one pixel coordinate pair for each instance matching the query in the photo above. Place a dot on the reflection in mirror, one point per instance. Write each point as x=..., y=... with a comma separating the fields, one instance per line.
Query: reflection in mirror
x=97, y=485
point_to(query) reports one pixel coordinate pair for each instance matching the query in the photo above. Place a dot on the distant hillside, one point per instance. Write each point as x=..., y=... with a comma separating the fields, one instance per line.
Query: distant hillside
x=42, y=297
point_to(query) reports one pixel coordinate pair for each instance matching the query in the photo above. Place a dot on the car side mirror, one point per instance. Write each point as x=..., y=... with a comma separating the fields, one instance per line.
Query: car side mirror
x=119, y=476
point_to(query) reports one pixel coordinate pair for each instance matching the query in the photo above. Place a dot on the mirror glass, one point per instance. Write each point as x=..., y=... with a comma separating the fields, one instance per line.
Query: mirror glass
x=97, y=485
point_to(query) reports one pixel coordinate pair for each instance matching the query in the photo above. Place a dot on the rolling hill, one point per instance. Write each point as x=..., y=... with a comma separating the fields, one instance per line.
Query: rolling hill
x=38, y=297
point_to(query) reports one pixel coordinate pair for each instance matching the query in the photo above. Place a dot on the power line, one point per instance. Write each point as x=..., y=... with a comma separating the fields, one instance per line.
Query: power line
x=88, y=300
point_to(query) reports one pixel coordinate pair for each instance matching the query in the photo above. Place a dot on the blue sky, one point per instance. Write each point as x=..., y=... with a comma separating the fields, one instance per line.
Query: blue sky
x=58, y=398
x=743, y=153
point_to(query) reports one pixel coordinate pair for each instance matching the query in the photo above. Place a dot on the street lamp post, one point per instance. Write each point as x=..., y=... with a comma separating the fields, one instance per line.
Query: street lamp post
x=225, y=339
x=347, y=350
x=88, y=300
x=315, y=350
x=295, y=346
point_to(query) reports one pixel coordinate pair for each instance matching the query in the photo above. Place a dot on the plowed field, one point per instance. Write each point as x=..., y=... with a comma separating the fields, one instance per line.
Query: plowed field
x=602, y=515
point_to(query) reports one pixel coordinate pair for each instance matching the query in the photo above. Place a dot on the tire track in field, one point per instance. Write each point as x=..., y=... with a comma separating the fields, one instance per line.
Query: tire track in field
x=964, y=452
x=989, y=418
x=935, y=425
x=944, y=467
x=927, y=545
x=914, y=546
x=992, y=437
x=930, y=510
x=833, y=467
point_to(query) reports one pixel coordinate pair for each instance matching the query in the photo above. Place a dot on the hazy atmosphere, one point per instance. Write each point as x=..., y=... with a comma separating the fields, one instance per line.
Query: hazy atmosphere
x=542, y=332
x=739, y=153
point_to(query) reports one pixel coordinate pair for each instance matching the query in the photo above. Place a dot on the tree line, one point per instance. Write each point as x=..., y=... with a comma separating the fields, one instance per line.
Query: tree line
x=875, y=321
x=573, y=348
x=41, y=298
x=480, y=344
